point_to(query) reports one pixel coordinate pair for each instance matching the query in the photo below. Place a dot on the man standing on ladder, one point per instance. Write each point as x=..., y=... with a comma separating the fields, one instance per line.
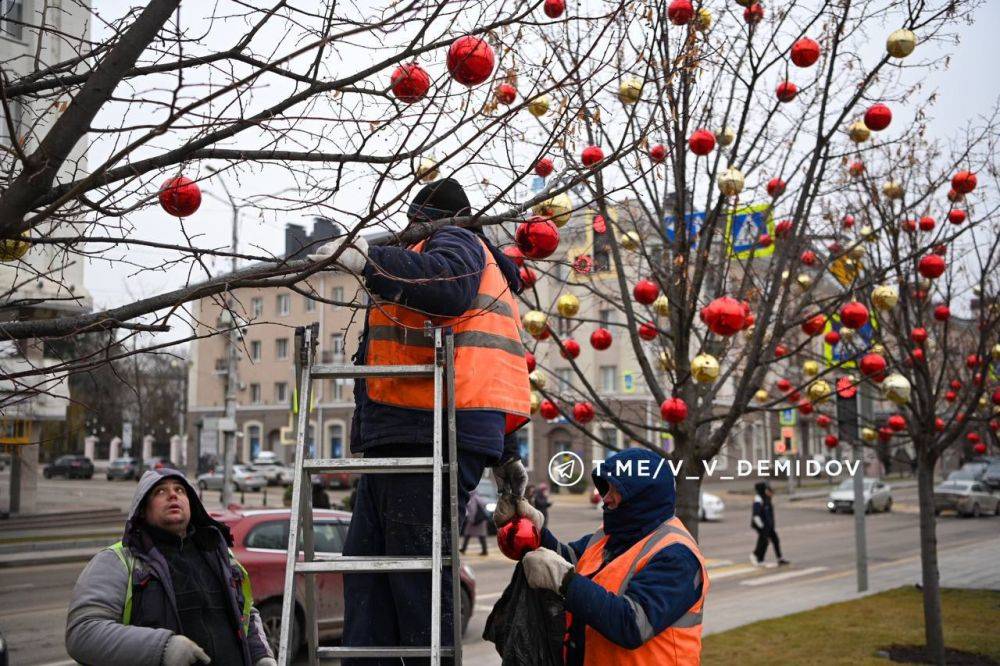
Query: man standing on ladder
x=455, y=278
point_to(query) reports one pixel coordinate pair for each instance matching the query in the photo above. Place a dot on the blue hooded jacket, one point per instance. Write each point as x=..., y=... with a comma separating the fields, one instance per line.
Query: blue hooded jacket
x=659, y=594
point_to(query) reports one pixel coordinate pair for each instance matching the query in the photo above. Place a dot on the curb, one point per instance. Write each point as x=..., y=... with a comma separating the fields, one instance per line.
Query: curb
x=815, y=494
x=49, y=557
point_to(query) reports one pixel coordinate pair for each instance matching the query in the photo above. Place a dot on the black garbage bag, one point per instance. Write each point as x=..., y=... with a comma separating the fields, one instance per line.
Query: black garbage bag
x=527, y=626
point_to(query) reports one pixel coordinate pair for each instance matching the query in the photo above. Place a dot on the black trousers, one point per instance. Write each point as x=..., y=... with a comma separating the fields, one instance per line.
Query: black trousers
x=763, y=536
x=482, y=543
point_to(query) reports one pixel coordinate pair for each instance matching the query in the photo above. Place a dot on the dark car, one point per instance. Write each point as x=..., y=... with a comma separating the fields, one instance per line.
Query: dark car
x=260, y=540
x=123, y=468
x=72, y=467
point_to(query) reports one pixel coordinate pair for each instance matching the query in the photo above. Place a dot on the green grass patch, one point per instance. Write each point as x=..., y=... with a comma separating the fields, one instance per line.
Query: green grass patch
x=851, y=632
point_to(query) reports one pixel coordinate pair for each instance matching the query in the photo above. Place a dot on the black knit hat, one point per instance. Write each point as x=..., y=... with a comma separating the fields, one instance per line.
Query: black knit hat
x=440, y=199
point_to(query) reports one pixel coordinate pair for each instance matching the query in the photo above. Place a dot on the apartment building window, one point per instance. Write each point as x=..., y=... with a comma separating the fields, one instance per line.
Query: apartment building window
x=281, y=349
x=310, y=304
x=255, y=350
x=606, y=316
x=337, y=390
x=280, y=392
x=336, y=437
x=563, y=326
x=564, y=378
x=11, y=21
x=337, y=294
x=255, y=397
x=257, y=306
x=337, y=343
x=284, y=304
x=609, y=378
x=253, y=434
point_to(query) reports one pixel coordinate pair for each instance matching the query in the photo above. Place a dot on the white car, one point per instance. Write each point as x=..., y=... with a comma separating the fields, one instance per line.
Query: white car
x=877, y=496
x=244, y=478
x=711, y=507
x=275, y=472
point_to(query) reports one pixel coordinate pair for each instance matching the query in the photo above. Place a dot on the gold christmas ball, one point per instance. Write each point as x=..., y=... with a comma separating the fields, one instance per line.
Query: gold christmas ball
x=13, y=249
x=666, y=361
x=761, y=395
x=536, y=402
x=819, y=391
x=731, y=182
x=924, y=283
x=630, y=90
x=867, y=233
x=630, y=240
x=856, y=253
x=884, y=297
x=893, y=190
x=896, y=388
x=846, y=334
x=877, y=348
x=995, y=352
x=537, y=380
x=901, y=43
x=984, y=402
x=539, y=106
x=427, y=170
x=661, y=305
x=725, y=136
x=869, y=434
x=859, y=132
x=558, y=209
x=804, y=281
x=534, y=322
x=703, y=21
x=810, y=368
x=704, y=368
x=748, y=332
x=568, y=305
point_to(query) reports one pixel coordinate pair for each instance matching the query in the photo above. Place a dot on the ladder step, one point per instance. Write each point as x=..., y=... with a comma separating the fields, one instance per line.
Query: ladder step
x=359, y=371
x=375, y=652
x=381, y=465
x=367, y=563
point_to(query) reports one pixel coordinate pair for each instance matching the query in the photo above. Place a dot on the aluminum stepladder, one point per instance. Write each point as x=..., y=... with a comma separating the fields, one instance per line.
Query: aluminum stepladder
x=443, y=372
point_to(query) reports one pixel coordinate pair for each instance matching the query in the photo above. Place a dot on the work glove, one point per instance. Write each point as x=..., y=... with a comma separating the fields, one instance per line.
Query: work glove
x=266, y=661
x=182, y=651
x=352, y=259
x=511, y=477
x=508, y=507
x=545, y=569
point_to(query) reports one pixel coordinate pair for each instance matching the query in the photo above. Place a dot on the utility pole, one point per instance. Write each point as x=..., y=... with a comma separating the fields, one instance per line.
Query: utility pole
x=847, y=427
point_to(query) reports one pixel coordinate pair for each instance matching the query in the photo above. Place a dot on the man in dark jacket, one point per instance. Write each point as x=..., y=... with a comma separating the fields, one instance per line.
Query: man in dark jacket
x=169, y=593
x=392, y=512
x=762, y=521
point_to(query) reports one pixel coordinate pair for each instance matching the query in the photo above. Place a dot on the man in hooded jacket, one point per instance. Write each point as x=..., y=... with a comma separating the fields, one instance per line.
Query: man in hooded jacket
x=635, y=589
x=170, y=592
x=762, y=521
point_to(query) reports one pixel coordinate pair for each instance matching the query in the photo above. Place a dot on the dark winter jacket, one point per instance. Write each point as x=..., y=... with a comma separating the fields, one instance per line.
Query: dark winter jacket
x=663, y=589
x=442, y=279
x=762, y=517
x=179, y=587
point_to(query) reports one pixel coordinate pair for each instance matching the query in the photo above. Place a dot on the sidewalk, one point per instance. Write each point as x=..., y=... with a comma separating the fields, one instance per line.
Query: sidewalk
x=972, y=565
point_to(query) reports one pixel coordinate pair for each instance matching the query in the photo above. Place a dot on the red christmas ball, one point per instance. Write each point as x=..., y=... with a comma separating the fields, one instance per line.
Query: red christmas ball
x=528, y=277
x=971, y=361
x=941, y=249
x=754, y=14
x=514, y=254
x=955, y=384
x=410, y=83
x=950, y=396
x=918, y=335
x=873, y=366
x=570, y=349
x=848, y=221
x=775, y=188
x=942, y=313
x=529, y=361
x=724, y=316
x=927, y=223
x=680, y=12
x=897, y=422
x=831, y=441
x=548, y=410
x=180, y=196
x=786, y=91
x=878, y=117
x=808, y=258
x=554, y=8
x=884, y=434
x=784, y=385
x=963, y=182
x=835, y=247
x=931, y=266
x=854, y=315
x=996, y=397
x=600, y=339
x=647, y=331
x=780, y=351
x=701, y=142
x=794, y=397
x=805, y=52
x=831, y=338
x=658, y=153
x=537, y=238
x=543, y=167
x=823, y=421
x=518, y=538
x=764, y=240
x=583, y=412
x=857, y=169
x=591, y=155
x=805, y=407
x=783, y=228
x=939, y=424
x=470, y=60
x=972, y=437
x=979, y=448
x=505, y=93
x=814, y=325
x=645, y=291
x=909, y=225
x=673, y=410
x=956, y=216
x=995, y=425
x=954, y=195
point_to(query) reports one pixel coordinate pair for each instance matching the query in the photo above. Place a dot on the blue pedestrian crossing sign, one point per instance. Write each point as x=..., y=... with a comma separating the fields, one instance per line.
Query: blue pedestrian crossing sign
x=744, y=229
x=848, y=349
x=695, y=221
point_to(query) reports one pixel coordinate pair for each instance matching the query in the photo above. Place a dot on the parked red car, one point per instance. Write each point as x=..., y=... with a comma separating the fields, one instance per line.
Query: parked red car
x=260, y=539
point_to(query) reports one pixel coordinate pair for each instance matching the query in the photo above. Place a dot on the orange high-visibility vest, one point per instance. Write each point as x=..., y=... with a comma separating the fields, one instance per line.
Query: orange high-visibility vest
x=677, y=644
x=490, y=370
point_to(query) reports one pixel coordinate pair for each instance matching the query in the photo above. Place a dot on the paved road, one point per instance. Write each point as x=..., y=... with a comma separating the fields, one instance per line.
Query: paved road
x=819, y=544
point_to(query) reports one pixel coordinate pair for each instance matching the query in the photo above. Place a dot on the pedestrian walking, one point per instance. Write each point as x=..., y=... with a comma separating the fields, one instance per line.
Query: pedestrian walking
x=454, y=278
x=540, y=500
x=170, y=593
x=476, y=522
x=635, y=589
x=762, y=521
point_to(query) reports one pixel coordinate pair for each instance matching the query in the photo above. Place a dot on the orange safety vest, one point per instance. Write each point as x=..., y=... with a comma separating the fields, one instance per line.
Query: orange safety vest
x=490, y=371
x=678, y=644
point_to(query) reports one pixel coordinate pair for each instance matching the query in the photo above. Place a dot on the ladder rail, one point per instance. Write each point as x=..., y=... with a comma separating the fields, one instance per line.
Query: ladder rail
x=456, y=564
x=437, y=526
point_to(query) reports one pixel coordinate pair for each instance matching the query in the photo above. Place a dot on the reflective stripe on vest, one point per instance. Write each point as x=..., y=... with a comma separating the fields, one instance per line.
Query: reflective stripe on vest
x=490, y=371
x=128, y=561
x=678, y=644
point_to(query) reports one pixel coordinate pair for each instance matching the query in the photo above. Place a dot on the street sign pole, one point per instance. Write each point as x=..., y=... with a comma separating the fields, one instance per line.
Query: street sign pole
x=847, y=427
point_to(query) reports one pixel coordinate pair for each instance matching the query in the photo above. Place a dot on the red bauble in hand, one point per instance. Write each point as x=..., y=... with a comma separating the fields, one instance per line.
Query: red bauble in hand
x=518, y=538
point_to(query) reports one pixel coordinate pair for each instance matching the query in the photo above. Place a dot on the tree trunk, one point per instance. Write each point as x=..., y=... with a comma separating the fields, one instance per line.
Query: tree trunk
x=933, y=630
x=687, y=504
